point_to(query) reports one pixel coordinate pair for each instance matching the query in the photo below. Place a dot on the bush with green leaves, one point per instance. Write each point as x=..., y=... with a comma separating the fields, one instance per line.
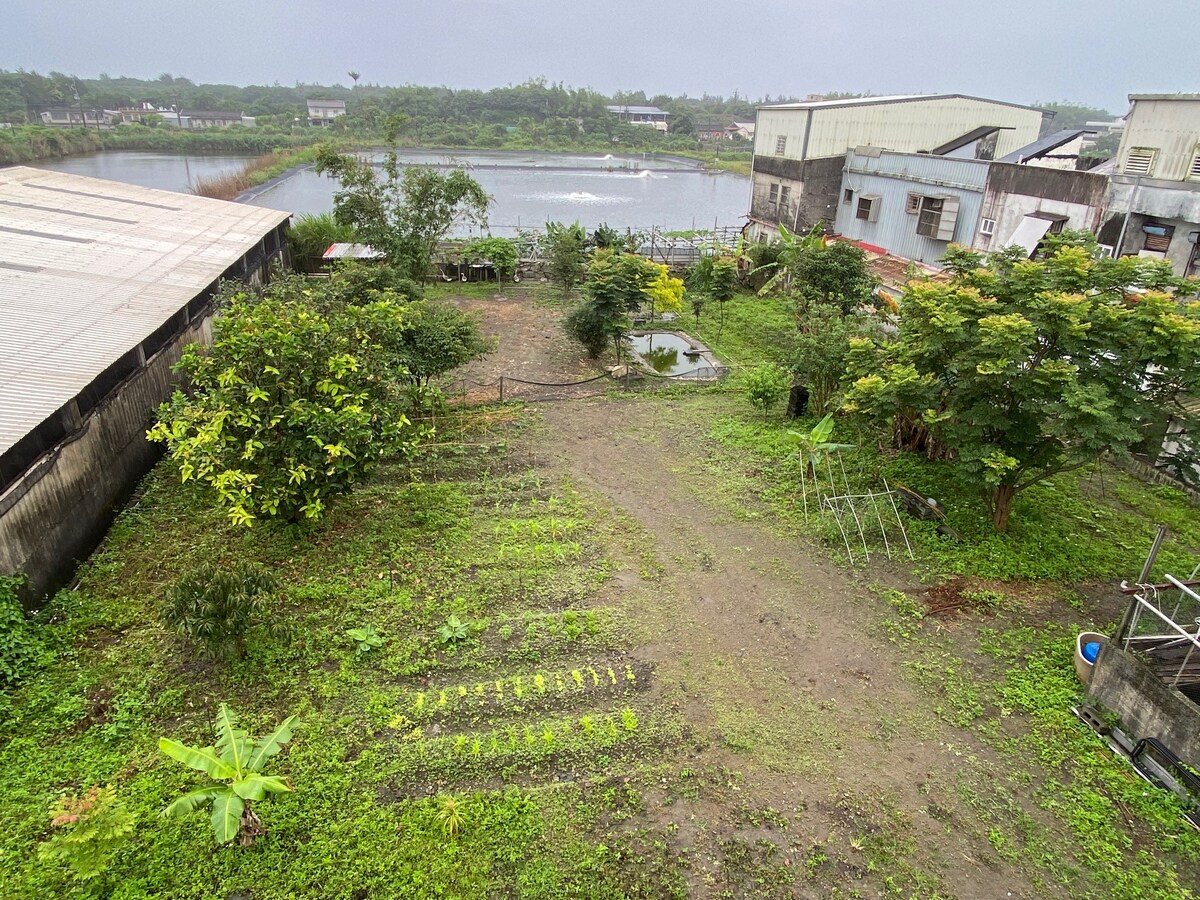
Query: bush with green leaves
x=765, y=386
x=453, y=630
x=821, y=347
x=299, y=396
x=439, y=339
x=617, y=285
x=366, y=638
x=565, y=248
x=21, y=646
x=500, y=252
x=218, y=608
x=310, y=236
x=235, y=766
x=88, y=830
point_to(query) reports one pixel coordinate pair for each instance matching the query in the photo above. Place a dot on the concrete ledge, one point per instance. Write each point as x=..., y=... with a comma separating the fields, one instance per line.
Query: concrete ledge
x=1148, y=708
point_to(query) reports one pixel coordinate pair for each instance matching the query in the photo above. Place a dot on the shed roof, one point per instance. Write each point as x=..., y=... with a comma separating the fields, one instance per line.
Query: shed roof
x=89, y=269
x=893, y=98
x=332, y=104
x=351, y=251
x=1044, y=145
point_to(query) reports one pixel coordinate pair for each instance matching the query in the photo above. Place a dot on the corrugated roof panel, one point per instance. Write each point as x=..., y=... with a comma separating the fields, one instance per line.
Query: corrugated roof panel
x=89, y=269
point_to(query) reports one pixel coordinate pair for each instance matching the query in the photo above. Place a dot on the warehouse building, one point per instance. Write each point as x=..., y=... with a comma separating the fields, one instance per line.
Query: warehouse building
x=101, y=286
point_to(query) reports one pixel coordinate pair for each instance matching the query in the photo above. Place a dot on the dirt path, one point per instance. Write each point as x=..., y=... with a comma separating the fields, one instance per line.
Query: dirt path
x=769, y=650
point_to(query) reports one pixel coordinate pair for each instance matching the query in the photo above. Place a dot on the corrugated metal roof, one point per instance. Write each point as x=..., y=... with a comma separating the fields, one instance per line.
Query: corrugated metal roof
x=351, y=251
x=1045, y=144
x=89, y=269
x=638, y=110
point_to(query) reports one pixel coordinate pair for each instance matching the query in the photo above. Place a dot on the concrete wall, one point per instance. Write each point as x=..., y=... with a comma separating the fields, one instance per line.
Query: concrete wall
x=892, y=177
x=908, y=126
x=1147, y=707
x=56, y=512
x=1016, y=191
x=814, y=187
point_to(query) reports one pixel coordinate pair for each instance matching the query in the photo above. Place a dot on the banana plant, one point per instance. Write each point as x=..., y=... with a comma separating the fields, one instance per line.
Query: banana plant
x=816, y=443
x=792, y=247
x=235, y=764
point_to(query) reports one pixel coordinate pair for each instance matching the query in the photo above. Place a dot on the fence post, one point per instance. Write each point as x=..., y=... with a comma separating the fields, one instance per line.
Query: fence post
x=501, y=388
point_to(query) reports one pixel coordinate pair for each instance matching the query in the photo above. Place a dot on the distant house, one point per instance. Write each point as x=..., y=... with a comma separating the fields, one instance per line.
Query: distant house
x=742, y=130
x=322, y=112
x=711, y=129
x=1154, y=193
x=208, y=118
x=75, y=117
x=642, y=115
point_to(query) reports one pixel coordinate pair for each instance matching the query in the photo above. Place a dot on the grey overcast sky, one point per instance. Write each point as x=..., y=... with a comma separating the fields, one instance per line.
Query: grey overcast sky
x=1091, y=51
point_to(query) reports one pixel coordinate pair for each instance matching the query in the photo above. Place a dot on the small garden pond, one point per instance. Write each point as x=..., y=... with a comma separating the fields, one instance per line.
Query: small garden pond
x=672, y=353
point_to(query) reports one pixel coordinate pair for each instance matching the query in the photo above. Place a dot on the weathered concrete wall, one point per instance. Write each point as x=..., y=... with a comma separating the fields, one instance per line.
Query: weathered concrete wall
x=814, y=185
x=58, y=509
x=1147, y=707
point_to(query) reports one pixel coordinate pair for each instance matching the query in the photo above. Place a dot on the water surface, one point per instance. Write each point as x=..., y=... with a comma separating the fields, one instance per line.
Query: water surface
x=152, y=169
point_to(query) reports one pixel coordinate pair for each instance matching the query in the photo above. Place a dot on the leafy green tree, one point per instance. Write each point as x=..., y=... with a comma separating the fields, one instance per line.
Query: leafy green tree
x=765, y=385
x=820, y=349
x=299, y=396
x=665, y=292
x=616, y=286
x=235, y=765
x=440, y=339
x=406, y=213
x=1030, y=368
x=88, y=830
x=834, y=274
x=218, y=608
x=564, y=247
x=783, y=256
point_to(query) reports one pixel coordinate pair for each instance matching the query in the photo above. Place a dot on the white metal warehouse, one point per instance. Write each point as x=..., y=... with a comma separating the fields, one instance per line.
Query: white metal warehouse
x=101, y=286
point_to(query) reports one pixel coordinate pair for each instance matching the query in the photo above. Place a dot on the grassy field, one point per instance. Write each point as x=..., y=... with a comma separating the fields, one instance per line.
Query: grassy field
x=667, y=685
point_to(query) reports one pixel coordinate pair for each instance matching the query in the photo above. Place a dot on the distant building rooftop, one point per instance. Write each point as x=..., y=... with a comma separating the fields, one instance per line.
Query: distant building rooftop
x=89, y=269
x=332, y=104
x=1164, y=97
x=637, y=110
x=892, y=98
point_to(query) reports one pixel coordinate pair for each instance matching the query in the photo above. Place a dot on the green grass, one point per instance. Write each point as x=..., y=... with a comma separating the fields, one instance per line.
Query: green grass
x=516, y=557
x=757, y=329
x=1080, y=526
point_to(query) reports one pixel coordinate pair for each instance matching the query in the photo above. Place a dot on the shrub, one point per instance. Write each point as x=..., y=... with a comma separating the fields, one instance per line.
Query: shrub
x=218, y=608
x=500, y=252
x=564, y=247
x=235, y=765
x=299, y=396
x=311, y=235
x=765, y=385
x=89, y=829
x=21, y=647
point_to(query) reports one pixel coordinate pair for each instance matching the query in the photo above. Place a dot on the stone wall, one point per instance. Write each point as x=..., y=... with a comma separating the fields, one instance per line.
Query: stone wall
x=1148, y=708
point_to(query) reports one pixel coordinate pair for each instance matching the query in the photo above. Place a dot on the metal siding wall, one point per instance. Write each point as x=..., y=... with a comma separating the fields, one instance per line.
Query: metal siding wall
x=771, y=124
x=918, y=125
x=1171, y=126
x=896, y=230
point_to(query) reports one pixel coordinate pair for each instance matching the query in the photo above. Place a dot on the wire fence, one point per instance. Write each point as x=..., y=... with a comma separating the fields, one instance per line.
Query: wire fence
x=467, y=391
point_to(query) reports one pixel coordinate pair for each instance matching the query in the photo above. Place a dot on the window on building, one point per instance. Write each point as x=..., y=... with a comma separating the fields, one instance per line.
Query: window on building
x=868, y=208
x=1194, y=169
x=847, y=195
x=1158, y=237
x=780, y=145
x=774, y=196
x=987, y=227
x=1056, y=226
x=785, y=194
x=1140, y=161
x=913, y=205
x=937, y=217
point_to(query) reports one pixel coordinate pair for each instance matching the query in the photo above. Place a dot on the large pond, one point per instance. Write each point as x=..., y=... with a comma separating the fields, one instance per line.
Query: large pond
x=166, y=171
x=528, y=189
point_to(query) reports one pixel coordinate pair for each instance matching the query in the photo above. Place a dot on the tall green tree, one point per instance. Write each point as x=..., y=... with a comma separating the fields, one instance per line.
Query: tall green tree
x=1030, y=368
x=405, y=213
